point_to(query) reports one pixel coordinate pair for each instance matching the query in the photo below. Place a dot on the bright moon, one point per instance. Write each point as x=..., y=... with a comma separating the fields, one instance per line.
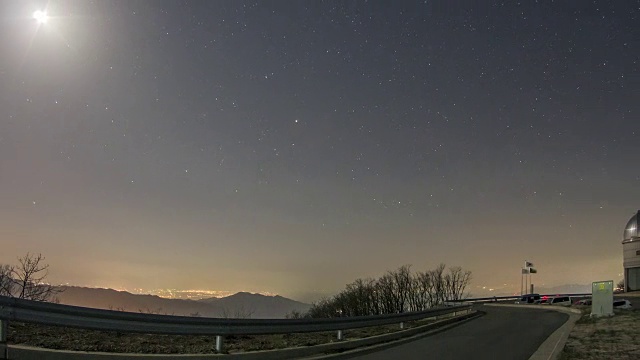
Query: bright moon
x=40, y=16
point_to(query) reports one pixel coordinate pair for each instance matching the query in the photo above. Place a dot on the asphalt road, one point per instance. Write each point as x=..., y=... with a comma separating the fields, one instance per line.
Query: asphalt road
x=503, y=333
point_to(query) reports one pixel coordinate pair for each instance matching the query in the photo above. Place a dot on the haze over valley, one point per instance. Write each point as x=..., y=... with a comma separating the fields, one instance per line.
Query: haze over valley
x=239, y=305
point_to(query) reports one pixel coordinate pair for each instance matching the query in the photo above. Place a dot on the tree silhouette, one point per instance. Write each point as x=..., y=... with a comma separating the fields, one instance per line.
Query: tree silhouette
x=27, y=280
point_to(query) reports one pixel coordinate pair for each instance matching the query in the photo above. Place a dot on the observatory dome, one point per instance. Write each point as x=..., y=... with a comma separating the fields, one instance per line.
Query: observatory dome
x=631, y=232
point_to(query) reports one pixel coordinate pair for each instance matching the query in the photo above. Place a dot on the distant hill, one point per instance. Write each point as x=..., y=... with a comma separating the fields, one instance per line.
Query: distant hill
x=238, y=305
x=244, y=303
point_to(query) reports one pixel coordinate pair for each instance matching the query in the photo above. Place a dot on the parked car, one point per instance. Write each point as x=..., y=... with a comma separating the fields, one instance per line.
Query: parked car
x=544, y=300
x=583, y=302
x=559, y=301
x=529, y=299
x=621, y=304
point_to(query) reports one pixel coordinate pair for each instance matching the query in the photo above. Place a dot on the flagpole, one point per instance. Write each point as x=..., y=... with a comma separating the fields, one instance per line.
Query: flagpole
x=525, y=270
x=528, y=269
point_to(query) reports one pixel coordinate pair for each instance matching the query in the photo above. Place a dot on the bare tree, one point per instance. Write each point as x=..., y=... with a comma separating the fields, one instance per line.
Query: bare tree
x=118, y=308
x=6, y=281
x=323, y=308
x=395, y=292
x=438, y=286
x=239, y=312
x=455, y=283
x=157, y=311
x=386, y=289
x=402, y=283
x=295, y=314
x=423, y=294
x=29, y=279
x=243, y=313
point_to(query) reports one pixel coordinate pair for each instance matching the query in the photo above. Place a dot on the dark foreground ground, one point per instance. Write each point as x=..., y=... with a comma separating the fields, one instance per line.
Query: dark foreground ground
x=605, y=338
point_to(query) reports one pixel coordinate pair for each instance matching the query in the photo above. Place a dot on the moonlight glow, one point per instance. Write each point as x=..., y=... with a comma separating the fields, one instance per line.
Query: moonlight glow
x=40, y=16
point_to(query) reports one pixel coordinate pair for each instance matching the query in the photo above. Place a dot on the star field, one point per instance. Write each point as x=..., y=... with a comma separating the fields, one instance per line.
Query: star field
x=292, y=147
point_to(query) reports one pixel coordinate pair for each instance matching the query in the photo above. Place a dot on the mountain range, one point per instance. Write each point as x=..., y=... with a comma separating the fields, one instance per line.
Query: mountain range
x=239, y=305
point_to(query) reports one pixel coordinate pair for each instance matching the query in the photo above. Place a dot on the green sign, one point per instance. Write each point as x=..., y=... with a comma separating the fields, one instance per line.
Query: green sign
x=602, y=298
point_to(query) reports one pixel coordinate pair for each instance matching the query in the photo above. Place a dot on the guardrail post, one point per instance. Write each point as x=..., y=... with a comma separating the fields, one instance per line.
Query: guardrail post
x=219, y=343
x=4, y=329
x=340, y=335
x=401, y=325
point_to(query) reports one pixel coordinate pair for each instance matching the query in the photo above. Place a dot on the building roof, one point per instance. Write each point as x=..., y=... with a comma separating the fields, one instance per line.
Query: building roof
x=631, y=232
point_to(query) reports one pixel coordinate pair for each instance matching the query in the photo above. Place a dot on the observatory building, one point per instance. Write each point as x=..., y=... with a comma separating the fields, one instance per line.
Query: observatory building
x=631, y=254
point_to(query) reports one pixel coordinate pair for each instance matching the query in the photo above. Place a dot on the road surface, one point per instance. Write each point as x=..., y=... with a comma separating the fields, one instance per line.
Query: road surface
x=503, y=333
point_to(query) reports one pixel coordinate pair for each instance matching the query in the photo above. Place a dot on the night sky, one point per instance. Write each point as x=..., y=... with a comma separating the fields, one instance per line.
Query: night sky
x=292, y=147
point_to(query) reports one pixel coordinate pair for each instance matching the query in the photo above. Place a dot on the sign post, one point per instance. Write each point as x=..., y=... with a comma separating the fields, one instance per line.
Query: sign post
x=523, y=275
x=527, y=270
x=602, y=298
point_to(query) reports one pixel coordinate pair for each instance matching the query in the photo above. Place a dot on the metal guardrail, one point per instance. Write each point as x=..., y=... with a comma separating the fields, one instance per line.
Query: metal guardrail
x=513, y=297
x=12, y=309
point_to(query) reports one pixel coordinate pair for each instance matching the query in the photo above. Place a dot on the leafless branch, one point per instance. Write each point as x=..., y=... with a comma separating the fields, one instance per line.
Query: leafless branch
x=29, y=279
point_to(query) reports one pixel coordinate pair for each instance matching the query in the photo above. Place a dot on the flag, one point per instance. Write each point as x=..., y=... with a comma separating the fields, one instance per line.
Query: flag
x=533, y=271
x=525, y=271
x=528, y=264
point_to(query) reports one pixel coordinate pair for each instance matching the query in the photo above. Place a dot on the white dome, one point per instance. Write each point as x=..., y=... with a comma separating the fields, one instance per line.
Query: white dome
x=631, y=232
